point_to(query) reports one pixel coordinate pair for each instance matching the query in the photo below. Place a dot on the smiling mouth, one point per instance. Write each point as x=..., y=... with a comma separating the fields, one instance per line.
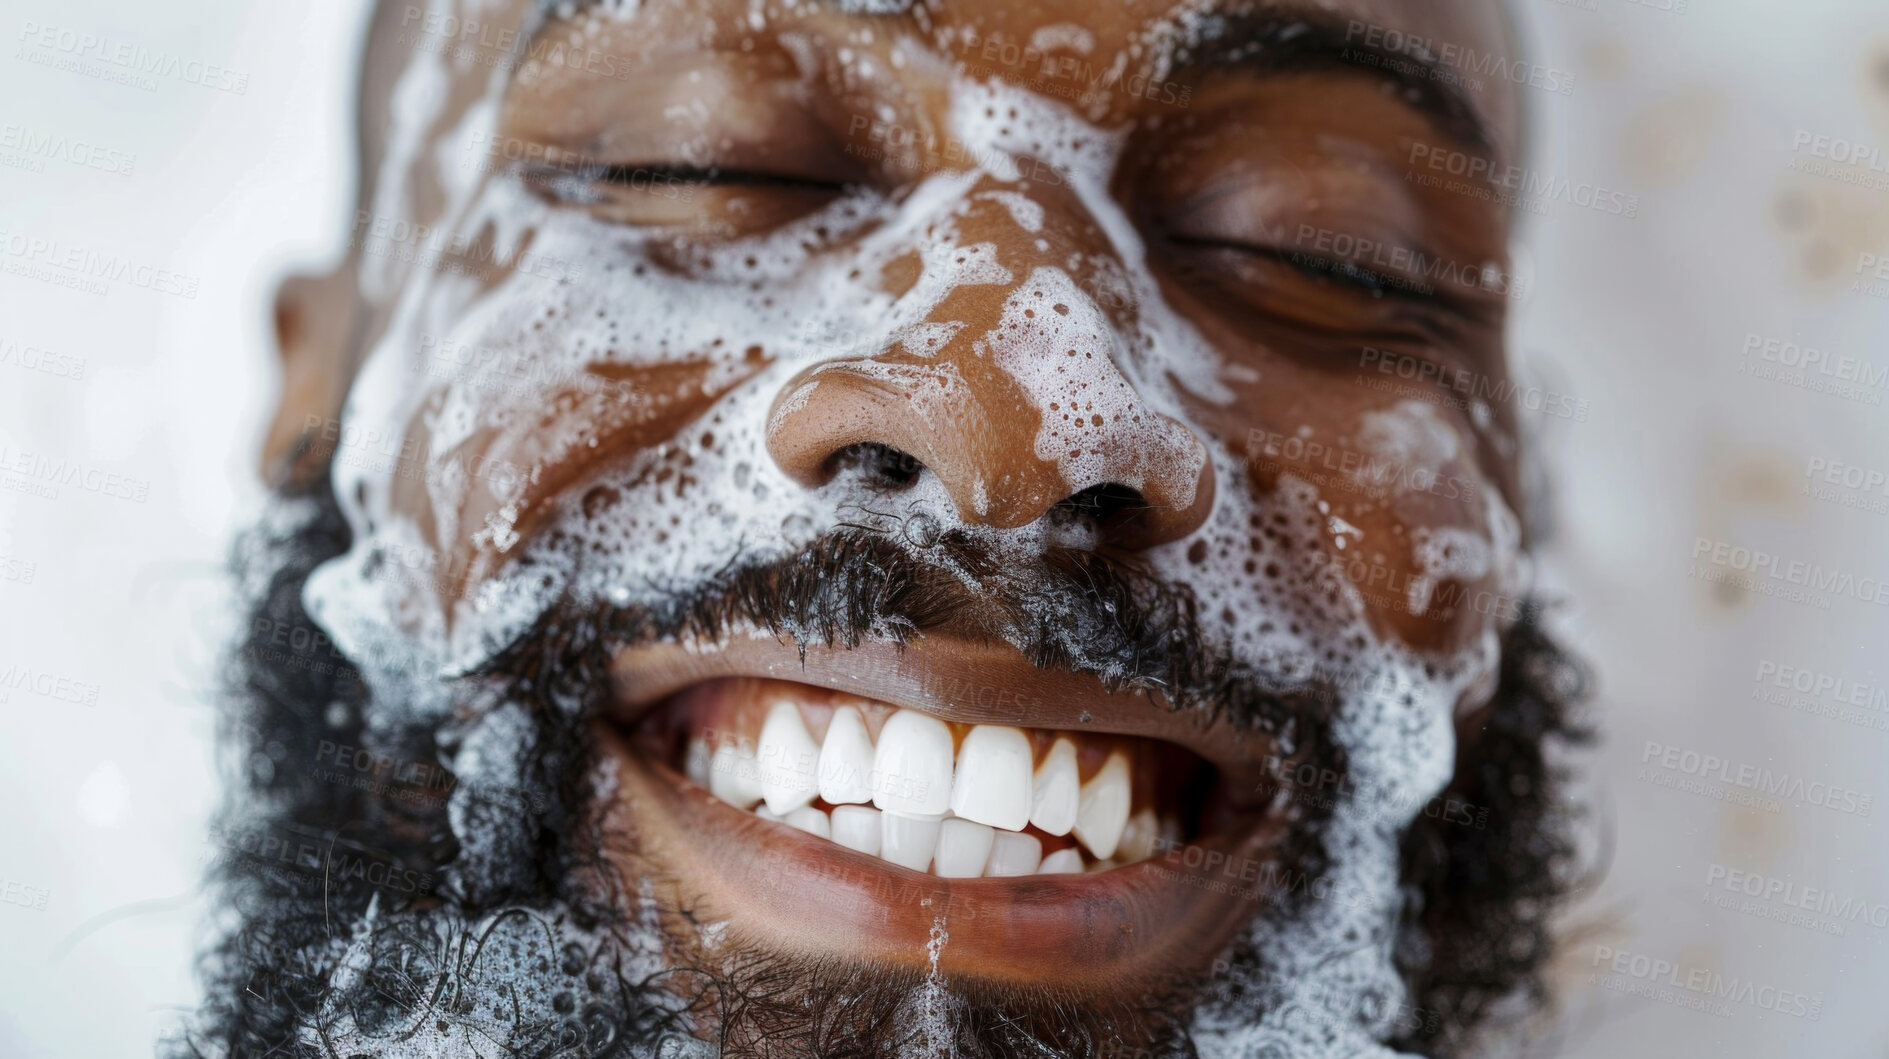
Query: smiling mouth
x=854, y=817
x=958, y=801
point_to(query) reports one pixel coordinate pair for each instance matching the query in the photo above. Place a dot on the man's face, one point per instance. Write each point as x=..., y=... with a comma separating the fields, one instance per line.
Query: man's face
x=1003, y=440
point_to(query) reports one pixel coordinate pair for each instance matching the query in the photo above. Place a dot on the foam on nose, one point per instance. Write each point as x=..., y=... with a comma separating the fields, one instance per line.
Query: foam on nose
x=1096, y=427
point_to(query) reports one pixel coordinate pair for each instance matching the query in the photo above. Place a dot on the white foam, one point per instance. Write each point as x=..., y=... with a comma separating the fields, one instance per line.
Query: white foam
x=1410, y=434
x=727, y=497
x=1067, y=36
x=1446, y=552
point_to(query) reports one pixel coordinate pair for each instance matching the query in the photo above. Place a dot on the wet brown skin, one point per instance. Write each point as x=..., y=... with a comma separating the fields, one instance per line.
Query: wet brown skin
x=1321, y=147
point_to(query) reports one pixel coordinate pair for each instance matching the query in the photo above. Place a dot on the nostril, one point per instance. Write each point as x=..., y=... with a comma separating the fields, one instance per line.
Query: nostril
x=880, y=466
x=1110, y=507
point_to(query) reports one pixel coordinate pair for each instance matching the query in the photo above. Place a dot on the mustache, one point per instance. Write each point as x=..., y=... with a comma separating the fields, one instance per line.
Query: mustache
x=898, y=579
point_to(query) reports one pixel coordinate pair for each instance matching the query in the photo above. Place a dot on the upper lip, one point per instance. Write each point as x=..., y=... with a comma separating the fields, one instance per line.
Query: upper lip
x=951, y=678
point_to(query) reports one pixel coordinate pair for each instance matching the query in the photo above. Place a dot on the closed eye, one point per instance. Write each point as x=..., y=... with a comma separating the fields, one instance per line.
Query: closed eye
x=1337, y=271
x=709, y=201
x=710, y=176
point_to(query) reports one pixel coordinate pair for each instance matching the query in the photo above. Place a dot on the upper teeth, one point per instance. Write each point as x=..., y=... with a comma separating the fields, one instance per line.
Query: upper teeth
x=1057, y=790
x=912, y=766
x=992, y=785
x=960, y=817
x=846, y=759
x=787, y=759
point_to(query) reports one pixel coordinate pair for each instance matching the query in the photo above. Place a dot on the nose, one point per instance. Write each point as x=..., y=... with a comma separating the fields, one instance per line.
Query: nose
x=1025, y=413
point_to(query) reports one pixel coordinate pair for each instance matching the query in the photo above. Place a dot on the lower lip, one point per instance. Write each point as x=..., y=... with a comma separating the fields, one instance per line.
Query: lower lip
x=781, y=891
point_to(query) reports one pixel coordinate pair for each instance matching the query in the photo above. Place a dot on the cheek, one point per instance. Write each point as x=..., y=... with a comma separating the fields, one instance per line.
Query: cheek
x=1421, y=545
x=1413, y=525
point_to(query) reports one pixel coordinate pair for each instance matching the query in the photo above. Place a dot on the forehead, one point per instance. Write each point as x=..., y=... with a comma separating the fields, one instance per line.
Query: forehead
x=1459, y=52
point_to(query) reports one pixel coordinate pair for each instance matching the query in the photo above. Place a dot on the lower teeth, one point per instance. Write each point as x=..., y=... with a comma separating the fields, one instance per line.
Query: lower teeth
x=952, y=847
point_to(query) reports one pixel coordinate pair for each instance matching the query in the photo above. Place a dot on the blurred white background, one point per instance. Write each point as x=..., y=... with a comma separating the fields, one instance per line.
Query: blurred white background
x=1644, y=320
x=105, y=806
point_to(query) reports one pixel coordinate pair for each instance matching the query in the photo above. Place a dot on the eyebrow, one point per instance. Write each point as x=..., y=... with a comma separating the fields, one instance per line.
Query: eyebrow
x=1271, y=42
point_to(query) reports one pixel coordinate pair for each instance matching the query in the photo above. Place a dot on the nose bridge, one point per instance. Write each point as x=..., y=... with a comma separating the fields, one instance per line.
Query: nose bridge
x=1026, y=405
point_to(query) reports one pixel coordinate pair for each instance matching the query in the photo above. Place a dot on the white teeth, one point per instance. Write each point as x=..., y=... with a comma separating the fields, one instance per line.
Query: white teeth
x=697, y=764
x=857, y=827
x=846, y=759
x=1056, y=790
x=1103, y=812
x=1062, y=862
x=908, y=841
x=787, y=758
x=912, y=766
x=1139, y=837
x=810, y=820
x=1013, y=854
x=992, y=785
x=963, y=847
x=960, y=823
x=732, y=776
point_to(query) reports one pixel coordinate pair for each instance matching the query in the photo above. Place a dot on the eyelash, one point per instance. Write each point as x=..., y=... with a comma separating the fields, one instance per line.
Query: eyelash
x=1350, y=274
x=710, y=176
x=1346, y=274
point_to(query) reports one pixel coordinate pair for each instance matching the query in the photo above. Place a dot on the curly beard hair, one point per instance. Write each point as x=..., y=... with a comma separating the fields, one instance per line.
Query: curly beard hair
x=422, y=916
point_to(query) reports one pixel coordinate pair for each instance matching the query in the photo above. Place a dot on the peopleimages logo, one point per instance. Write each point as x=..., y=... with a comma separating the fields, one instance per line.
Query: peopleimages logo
x=1515, y=184
x=1837, y=159
x=45, y=361
x=1847, y=475
x=128, y=62
x=1816, y=900
x=1069, y=76
x=1271, y=451
x=1839, y=150
x=1702, y=766
x=41, y=257
x=406, y=242
x=1707, y=983
x=1768, y=569
x=1456, y=57
x=46, y=685
x=36, y=146
x=1396, y=265
x=1810, y=368
x=1801, y=690
x=1841, y=367
x=929, y=151
x=324, y=854
x=1473, y=385
x=42, y=475
x=1810, y=682
x=498, y=45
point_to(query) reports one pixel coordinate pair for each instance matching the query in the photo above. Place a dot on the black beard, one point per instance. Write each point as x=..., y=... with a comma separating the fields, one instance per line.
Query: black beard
x=417, y=915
